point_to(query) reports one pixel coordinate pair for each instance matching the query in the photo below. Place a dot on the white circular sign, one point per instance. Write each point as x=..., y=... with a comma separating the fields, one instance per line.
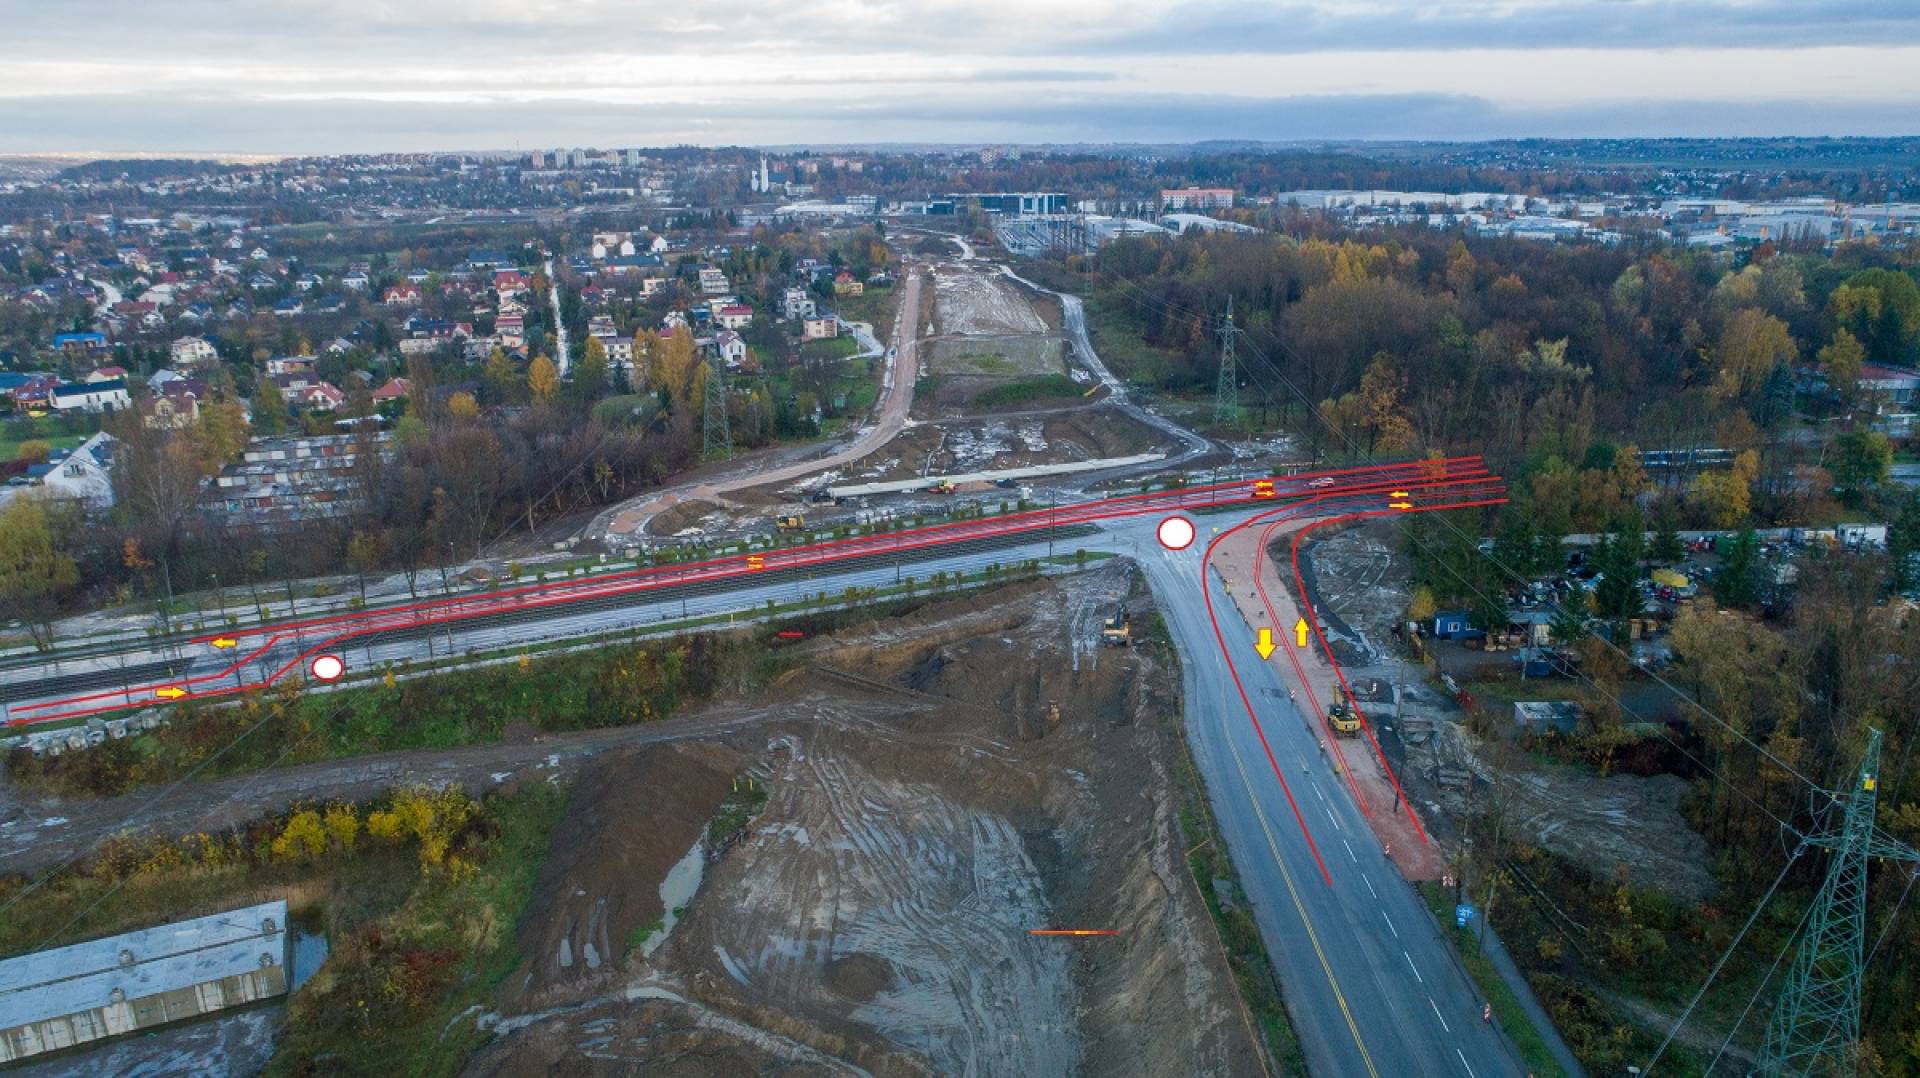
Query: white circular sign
x=328, y=667
x=1176, y=533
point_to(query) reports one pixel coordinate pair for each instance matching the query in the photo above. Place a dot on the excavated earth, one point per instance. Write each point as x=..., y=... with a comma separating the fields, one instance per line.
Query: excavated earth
x=927, y=807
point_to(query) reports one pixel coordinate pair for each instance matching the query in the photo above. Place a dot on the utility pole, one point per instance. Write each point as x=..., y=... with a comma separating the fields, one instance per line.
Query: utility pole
x=713, y=423
x=1226, y=394
x=1816, y=1026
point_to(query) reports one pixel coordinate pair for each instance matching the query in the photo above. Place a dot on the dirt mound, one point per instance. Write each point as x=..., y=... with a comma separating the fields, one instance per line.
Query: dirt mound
x=678, y=518
x=634, y=814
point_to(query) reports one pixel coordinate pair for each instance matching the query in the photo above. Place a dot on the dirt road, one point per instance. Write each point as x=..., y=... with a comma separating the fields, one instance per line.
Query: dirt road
x=40, y=832
x=623, y=524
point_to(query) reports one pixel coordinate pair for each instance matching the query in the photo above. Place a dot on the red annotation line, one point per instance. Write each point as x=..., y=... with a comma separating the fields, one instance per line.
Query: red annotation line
x=1233, y=671
x=537, y=597
x=444, y=611
x=1025, y=520
x=1313, y=697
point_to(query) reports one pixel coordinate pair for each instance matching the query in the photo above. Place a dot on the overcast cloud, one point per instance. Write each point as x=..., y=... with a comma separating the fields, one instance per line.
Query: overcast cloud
x=312, y=76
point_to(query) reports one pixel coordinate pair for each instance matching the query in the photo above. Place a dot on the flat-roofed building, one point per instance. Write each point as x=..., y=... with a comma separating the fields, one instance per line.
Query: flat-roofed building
x=56, y=999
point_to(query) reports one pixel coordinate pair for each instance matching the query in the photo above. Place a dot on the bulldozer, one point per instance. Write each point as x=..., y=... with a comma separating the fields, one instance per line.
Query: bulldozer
x=1118, y=631
x=791, y=523
x=1343, y=719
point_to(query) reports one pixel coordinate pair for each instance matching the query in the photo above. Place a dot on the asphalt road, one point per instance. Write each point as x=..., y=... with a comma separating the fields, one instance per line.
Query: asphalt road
x=1373, y=987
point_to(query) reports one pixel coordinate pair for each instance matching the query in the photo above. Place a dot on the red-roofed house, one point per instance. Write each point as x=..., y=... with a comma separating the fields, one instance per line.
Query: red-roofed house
x=396, y=389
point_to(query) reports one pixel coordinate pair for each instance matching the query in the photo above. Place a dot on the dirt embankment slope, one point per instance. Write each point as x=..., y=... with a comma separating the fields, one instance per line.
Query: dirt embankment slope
x=926, y=809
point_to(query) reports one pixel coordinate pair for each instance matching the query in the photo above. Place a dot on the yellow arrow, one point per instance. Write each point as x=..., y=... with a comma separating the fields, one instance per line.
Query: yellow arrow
x=1401, y=505
x=170, y=693
x=1264, y=645
x=1399, y=493
x=224, y=641
x=1300, y=632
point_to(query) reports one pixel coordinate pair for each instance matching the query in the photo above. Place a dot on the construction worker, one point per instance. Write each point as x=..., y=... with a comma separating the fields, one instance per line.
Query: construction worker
x=1486, y=1013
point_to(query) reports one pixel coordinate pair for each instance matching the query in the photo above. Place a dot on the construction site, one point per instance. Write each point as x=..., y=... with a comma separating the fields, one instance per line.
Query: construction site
x=934, y=790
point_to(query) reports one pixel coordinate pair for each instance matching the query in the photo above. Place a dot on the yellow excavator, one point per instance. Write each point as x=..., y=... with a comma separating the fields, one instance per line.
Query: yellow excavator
x=791, y=523
x=1342, y=717
x=1118, y=631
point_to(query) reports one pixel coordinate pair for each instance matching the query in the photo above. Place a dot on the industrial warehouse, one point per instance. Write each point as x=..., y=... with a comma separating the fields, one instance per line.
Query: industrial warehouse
x=138, y=980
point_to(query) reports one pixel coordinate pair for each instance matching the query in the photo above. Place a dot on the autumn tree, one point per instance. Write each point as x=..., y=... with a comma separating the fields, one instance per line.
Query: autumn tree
x=1726, y=498
x=1840, y=361
x=1752, y=345
x=502, y=379
x=674, y=361
x=590, y=375
x=270, y=415
x=35, y=573
x=543, y=379
x=1862, y=460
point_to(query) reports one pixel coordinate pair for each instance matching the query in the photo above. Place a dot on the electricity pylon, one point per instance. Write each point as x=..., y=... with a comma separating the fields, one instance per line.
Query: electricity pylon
x=718, y=437
x=1226, y=395
x=1816, y=1026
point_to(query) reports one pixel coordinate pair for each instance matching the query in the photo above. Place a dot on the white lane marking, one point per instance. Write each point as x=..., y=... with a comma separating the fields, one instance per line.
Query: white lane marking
x=1464, y=1063
x=1318, y=794
x=1414, y=968
x=1370, y=889
x=1356, y=860
x=1437, y=1014
x=1390, y=928
x=1331, y=820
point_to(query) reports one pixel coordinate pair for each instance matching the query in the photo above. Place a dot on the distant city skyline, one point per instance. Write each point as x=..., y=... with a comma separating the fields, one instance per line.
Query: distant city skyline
x=345, y=76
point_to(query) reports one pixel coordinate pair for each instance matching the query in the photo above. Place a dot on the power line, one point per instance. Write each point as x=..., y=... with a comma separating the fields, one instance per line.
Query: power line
x=1226, y=392
x=1724, y=955
x=1509, y=571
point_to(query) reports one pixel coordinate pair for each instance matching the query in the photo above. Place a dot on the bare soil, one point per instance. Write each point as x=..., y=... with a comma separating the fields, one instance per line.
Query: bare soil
x=925, y=812
x=1013, y=441
x=1618, y=826
x=600, y=881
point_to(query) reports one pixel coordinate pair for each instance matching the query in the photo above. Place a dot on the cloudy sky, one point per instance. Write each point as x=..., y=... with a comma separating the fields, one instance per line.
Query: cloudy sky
x=309, y=76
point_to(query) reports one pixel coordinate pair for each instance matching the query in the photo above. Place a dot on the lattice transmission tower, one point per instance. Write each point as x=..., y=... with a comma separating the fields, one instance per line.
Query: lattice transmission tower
x=1816, y=1026
x=1226, y=394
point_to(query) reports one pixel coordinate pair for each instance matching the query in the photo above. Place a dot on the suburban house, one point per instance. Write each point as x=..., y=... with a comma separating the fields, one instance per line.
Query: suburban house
x=193, y=352
x=396, y=389
x=796, y=304
x=322, y=397
x=732, y=349
x=107, y=396
x=34, y=391
x=84, y=474
x=1894, y=393
x=356, y=280
x=733, y=316
x=80, y=343
x=846, y=284
x=823, y=328
x=175, y=403
x=713, y=282
x=402, y=295
x=279, y=365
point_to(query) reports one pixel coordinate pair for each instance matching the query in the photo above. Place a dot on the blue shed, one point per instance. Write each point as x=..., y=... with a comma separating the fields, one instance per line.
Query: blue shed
x=1453, y=625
